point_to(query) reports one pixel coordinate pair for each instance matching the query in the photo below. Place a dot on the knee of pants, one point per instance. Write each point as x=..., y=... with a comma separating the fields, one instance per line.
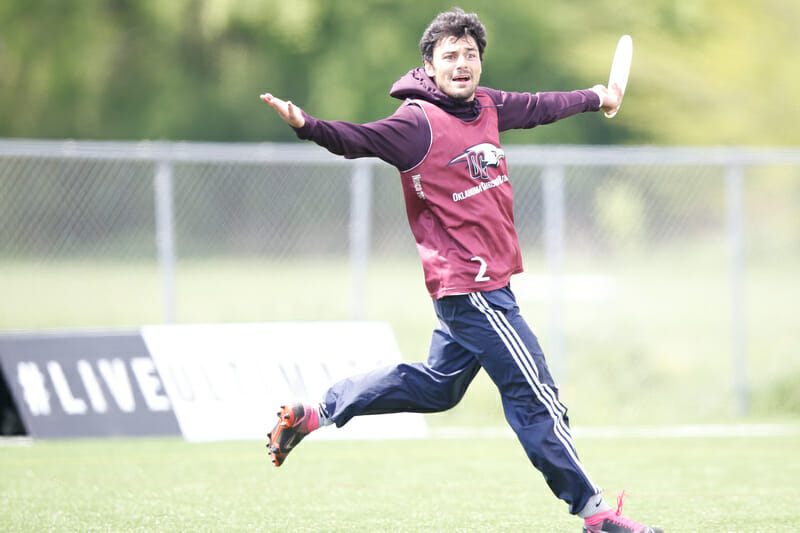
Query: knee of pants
x=440, y=391
x=404, y=387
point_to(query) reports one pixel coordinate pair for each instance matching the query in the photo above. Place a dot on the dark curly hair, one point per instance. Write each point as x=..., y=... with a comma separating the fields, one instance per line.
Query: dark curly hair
x=453, y=23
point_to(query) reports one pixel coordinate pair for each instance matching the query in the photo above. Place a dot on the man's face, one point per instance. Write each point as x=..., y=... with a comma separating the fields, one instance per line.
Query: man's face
x=456, y=67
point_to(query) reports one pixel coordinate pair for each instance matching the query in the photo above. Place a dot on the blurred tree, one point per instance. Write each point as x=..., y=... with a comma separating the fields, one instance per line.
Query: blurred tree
x=705, y=72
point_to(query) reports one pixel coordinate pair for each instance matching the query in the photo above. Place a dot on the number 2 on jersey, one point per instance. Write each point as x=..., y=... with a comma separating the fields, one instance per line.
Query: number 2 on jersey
x=482, y=270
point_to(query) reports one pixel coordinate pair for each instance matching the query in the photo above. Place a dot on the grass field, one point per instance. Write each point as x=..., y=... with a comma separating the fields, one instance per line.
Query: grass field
x=717, y=484
x=655, y=351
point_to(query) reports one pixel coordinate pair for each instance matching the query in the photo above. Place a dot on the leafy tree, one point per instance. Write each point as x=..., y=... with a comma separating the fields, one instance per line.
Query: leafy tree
x=706, y=72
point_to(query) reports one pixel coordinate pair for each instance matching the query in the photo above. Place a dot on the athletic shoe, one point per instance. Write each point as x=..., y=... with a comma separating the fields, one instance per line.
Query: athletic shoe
x=295, y=421
x=613, y=522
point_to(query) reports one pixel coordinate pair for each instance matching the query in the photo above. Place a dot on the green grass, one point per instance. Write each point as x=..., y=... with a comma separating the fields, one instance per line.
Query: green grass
x=428, y=485
x=658, y=353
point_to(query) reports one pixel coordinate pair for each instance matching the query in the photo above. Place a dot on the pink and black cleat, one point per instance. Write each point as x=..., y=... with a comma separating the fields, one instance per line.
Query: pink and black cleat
x=295, y=421
x=613, y=522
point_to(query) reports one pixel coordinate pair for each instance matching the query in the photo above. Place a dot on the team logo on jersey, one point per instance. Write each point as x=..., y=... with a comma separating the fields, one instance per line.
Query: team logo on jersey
x=479, y=158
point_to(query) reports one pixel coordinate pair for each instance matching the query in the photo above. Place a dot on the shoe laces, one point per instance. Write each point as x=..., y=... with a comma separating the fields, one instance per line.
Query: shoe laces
x=623, y=521
x=620, y=501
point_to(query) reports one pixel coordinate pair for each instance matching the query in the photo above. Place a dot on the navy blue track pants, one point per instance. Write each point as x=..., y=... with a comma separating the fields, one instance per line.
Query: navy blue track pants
x=479, y=330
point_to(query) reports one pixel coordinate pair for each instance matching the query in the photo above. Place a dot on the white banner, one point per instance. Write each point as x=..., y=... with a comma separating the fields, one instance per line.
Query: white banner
x=227, y=381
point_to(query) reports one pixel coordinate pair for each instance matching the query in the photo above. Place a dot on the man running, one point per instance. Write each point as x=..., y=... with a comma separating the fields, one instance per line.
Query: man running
x=444, y=140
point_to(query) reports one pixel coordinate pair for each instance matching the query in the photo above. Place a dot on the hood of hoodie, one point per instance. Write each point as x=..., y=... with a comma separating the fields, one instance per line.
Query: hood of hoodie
x=417, y=84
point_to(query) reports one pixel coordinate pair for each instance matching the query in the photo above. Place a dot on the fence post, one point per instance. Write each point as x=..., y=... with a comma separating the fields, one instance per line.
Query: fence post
x=360, y=209
x=165, y=237
x=734, y=195
x=553, y=194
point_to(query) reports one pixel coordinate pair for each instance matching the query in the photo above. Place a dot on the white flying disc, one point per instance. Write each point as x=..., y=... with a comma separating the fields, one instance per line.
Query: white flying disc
x=621, y=66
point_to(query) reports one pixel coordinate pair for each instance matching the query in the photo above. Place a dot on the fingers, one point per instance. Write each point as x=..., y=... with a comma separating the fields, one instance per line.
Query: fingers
x=271, y=100
x=286, y=109
x=277, y=104
x=614, y=100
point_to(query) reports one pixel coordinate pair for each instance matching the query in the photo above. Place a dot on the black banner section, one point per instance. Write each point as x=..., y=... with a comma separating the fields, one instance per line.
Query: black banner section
x=86, y=384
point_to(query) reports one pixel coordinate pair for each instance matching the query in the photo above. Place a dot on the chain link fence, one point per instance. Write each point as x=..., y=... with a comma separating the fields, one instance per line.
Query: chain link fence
x=669, y=271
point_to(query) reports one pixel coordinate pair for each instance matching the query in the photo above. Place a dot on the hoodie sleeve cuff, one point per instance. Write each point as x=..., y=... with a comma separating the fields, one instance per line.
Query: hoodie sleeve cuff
x=304, y=132
x=599, y=94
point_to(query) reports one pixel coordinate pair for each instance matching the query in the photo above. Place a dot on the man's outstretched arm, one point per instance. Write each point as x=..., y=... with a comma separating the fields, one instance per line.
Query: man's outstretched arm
x=528, y=110
x=401, y=140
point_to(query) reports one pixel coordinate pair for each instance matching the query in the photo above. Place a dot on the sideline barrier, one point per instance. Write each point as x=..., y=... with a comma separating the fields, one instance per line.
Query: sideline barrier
x=84, y=384
x=205, y=382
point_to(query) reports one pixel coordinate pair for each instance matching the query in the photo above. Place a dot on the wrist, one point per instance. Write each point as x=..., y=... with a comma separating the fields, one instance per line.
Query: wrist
x=596, y=90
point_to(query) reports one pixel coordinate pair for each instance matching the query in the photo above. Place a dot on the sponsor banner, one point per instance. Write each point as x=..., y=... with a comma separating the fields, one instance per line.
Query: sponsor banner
x=86, y=384
x=227, y=381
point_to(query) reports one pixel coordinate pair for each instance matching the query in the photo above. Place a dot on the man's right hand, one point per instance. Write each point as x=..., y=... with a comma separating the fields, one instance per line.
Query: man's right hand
x=286, y=109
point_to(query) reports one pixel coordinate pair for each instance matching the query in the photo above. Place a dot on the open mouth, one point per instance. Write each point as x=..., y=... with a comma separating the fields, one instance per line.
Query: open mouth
x=461, y=78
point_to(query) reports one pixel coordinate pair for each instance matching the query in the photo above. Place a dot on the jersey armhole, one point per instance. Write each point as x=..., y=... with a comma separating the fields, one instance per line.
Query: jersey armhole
x=419, y=103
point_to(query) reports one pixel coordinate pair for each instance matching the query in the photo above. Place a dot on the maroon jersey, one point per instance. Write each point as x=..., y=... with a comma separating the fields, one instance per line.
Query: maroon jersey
x=460, y=204
x=458, y=197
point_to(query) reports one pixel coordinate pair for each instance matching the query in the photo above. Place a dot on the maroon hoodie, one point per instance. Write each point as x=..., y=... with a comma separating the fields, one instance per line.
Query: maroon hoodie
x=402, y=139
x=458, y=195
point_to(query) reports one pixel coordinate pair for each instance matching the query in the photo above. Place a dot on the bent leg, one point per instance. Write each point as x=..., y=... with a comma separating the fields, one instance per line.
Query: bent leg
x=509, y=352
x=408, y=387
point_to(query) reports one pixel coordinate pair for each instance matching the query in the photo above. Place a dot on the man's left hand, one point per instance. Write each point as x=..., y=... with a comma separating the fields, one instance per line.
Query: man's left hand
x=610, y=99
